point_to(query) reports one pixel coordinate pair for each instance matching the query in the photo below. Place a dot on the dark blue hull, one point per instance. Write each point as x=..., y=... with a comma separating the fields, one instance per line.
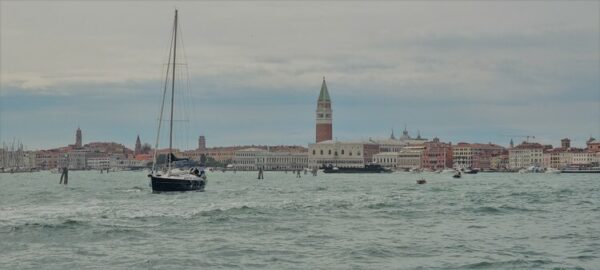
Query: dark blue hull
x=366, y=169
x=160, y=184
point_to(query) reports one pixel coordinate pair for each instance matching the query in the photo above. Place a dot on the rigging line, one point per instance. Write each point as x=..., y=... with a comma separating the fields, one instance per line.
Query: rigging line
x=184, y=96
x=182, y=136
x=190, y=100
x=162, y=106
x=174, y=120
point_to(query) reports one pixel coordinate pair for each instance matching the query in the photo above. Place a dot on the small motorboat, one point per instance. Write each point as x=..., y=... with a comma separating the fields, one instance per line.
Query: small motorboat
x=421, y=181
x=470, y=171
x=457, y=175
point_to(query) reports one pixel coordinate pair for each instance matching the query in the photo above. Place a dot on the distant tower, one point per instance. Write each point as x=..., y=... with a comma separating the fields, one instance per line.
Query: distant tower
x=78, y=138
x=324, y=115
x=392, y=136
x=511, y=144
x=138, y=146
x=565, y=143
x=202, y=143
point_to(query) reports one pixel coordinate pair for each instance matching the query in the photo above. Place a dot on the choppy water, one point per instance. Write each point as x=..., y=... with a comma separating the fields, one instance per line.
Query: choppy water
x=483, y=221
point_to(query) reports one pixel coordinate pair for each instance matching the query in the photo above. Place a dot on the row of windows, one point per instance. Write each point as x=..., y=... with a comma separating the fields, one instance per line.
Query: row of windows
x=314, y=152
x=385, y=160
x=325, y=161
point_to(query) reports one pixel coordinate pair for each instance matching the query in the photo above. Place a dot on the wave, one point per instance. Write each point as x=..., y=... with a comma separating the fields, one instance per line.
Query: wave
x=231, y=210
x=503, y=209
x=66, y=224
x=516, y=264
x=476, y=227
x=381, y=205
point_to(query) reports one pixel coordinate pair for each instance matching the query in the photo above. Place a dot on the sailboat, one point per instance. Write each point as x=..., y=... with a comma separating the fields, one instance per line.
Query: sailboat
x=173, y=179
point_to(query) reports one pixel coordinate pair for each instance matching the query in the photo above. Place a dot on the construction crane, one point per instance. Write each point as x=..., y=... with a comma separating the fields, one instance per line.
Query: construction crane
x=527, y=137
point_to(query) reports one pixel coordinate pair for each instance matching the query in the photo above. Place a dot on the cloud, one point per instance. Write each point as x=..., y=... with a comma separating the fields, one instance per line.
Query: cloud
x=256, y=69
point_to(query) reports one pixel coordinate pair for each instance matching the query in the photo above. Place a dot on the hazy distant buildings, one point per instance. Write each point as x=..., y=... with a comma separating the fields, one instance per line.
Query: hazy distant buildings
x=593, y=145
x=386, y=159
x=499, y=162
x=251, y=159
x=48, y=159
x=77, y=159
x=324, y=115
x=437, y=155
x=393, y=144
x=525, y=155
x=474, y=155
x=245, y=159
x=566, y=156
x=410, y=157
x=99, y=163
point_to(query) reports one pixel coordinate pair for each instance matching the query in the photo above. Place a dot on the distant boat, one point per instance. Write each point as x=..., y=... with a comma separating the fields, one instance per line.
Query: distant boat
x=470, y=171
x=457, y=175
x=531, y=169
x=552, y=170
x=581, y=170
x=421, y=181
x=171, y=179
x=369, y=168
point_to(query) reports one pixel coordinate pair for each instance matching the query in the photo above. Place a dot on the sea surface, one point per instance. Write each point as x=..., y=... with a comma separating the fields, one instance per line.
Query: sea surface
x=377, y=221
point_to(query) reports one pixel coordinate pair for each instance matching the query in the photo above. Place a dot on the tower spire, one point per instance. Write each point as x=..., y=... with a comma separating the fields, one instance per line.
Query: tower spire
x=324, y=94
x=78, y=138
x=138, y=145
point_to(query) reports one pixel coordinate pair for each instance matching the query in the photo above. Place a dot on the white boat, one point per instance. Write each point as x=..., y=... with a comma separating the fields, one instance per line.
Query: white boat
x=552, y=170
x=581, y=170
x=531, y=169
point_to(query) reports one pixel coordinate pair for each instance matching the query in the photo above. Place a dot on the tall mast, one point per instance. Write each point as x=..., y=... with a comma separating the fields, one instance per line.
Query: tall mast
x=173, y=92
x=162, y=105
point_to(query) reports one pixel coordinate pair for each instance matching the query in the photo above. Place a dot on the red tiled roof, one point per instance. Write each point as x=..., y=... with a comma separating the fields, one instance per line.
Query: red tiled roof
x=526, y=145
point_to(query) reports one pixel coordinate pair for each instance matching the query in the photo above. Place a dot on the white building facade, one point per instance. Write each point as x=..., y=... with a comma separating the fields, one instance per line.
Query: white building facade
x=282, y=161
x=386, y=159
x=341, y=154
x=246, y=159
x=97, y=163
x=251, y=159
x=525, y=155
x=410, y=157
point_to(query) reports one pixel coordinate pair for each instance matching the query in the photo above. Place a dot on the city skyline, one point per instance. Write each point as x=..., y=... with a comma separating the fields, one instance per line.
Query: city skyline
x=536, y=74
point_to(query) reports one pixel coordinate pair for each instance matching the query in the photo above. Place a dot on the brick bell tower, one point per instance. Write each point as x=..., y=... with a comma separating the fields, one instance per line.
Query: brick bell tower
x=324, y=115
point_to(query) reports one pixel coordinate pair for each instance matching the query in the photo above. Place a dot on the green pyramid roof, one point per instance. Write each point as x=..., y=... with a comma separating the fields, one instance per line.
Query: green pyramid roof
x=324, y=95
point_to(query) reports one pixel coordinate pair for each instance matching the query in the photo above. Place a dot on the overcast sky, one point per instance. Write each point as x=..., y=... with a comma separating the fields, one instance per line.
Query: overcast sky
x=461, y=71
